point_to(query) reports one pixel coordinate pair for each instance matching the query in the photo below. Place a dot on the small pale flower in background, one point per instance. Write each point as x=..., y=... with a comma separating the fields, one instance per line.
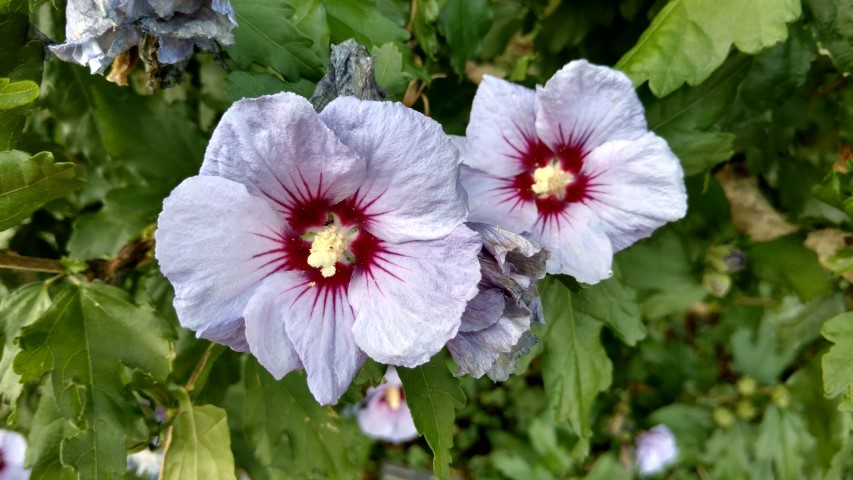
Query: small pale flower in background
x=312, y=240
x=573, y=163
x=656, y=449
x=99, y=31
x=13, y=449
x=146, y=463
x=386, y=415
x=495, y=329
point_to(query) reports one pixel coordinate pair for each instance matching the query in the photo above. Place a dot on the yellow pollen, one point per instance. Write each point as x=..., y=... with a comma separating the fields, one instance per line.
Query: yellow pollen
x=394, y=398
x=327, y=249
x=551, y=180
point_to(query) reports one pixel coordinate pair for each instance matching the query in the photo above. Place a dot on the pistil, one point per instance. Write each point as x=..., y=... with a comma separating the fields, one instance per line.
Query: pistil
x=327, y=249
x=551, y=180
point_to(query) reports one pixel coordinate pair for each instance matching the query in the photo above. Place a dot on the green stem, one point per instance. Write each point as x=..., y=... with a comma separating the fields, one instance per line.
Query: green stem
x=18, y=262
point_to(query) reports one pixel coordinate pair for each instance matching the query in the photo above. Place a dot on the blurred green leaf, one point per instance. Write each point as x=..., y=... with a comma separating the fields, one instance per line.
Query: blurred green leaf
x=784, y=440
x=832, y=25
x=291, y=433
x=17, y=94
x=361, y=20
x=433, y=395
x=21, y=308
x=28, y=182
x=267, y=36
x=76, y=342
x=786, y=262
x=200, y=445
x=126, y=213
x=464, y=23
x=240, y=85
x=689, y=39
x=575, y=367
x=837, y=371
x=614, y=304
x=699, y=151
x=423, y=25
x=607, y=467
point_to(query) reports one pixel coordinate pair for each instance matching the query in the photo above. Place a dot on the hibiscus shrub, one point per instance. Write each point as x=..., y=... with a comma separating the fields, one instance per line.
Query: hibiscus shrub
x=498, y=239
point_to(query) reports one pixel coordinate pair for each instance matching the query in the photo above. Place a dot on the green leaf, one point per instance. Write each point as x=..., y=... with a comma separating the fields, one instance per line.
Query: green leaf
x=832, y=26
x=18, y=310
x=423, y=26
x=614, y=304
x=838, y=362
x=47, y=430
x=433, y=395
x=689, y=39
x=388, y=69
x=784, y=440
x=290, y=432
x=699, y=151
x=126, y=213
x=17, y=94
x=267, y=36
x=199, y=445
x=27, y=183
x=250, y=85
x=77, y=342
x=361, y=20
x=575, y=367
x=786, y=262
x=464, y=23
x=607, y=467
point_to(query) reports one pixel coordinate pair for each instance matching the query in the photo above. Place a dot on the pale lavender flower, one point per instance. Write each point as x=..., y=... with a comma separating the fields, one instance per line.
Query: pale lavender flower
x=312, y=240
x=146, y=463
x=13, y=449
x=495, y=329
x=97, y=31
x=656, y=449
x=386, y=416
x=573, y=163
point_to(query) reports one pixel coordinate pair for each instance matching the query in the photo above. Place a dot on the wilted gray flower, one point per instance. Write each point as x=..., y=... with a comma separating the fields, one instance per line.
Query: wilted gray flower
x=495, y=329
x=98, y=31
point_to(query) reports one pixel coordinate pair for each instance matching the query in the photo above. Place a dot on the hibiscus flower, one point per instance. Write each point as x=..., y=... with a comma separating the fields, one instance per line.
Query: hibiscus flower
x=656, y=449
x=311, y=240
x=573, y=163
x=386, y=415
x=13, y=449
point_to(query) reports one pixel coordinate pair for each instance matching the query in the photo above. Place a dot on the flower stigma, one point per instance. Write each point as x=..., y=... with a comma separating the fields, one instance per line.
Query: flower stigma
x=328, y=248
x=393, y=397
x=551, y=180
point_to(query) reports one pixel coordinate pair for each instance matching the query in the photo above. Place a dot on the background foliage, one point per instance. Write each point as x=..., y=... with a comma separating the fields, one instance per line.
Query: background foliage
x=728, y=326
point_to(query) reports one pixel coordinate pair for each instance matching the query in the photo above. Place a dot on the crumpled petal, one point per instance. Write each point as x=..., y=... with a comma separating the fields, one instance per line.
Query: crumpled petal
x=210, y=243
x=410, y=303
x=495, y=201
x=319, y=320
x=265, y=316
x=502, y=127
x=378, y=420
x=587, y=105
x=146, y=463
x=411, y=191
x=578, y=241
x=637, y=186
x=492, y=339
x=277, y=146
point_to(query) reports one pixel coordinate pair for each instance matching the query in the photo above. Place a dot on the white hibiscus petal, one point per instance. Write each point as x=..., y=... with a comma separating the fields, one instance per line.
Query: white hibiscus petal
x=215, y=243
x=496, y=201
x=578, y=243
x=636, y=187
x=265, y=316
x=277, y=146
x=410, y=302
x=586, y=105
x=502, y=129
x=411, y=191
x=319, y=322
